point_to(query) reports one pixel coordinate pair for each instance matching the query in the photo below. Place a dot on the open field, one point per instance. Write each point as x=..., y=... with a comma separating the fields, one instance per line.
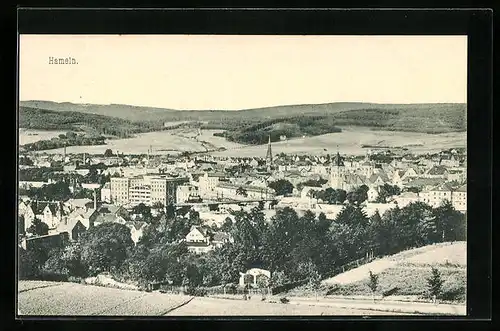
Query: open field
x=77, y=299
x=162, y=142
x=349, y=141
x=68, y=299
x=223, y=307
x=27, y=136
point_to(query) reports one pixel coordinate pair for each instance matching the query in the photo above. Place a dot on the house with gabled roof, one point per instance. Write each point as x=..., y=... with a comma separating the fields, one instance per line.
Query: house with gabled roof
x=86, y=216
x=437, y=195
x=111, y=213
x=74, y=204
x=220, y=238
x=198, y=239
x=136, y=229
x=26, y=211
x=406, y=198
x=72, y=226
x=51, y=213
x=437, y=172
x=449, y=160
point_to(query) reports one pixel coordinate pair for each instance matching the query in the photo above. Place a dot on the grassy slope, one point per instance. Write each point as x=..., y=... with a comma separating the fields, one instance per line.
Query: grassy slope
x=432, y=118
x=409, y=274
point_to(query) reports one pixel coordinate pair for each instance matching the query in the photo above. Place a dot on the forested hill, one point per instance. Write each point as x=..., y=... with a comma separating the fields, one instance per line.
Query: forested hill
x=429, y=118
x=42, y=119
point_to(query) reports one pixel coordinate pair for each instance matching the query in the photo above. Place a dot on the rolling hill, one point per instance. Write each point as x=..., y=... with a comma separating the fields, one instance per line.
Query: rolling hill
x=248, y=126
x=43, y=119
x=441, y=117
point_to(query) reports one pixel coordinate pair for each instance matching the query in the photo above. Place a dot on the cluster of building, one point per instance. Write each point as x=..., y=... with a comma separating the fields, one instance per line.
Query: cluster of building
x=230, y=183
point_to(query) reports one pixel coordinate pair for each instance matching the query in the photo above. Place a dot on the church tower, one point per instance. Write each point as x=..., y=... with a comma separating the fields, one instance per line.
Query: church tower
x=269, y=156
x=337, y=173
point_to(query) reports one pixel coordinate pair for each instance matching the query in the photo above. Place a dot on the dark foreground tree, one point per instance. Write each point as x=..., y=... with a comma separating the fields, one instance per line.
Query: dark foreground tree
x=105, y=247
x=373, y=284
x=38, y=228
x=435, y=284
x=281, y=187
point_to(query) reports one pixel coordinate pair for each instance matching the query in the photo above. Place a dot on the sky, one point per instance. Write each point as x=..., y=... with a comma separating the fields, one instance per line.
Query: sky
x=189, y=72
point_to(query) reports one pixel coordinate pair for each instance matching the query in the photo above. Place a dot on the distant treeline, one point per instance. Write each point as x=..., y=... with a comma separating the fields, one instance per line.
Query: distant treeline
x=42, y=119
x=68, y=139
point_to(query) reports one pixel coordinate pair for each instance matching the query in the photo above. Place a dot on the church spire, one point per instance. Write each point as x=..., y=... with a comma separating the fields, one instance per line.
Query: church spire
x=269, y=156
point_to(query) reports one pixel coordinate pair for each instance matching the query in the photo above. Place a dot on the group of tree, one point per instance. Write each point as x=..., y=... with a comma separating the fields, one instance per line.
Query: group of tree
x=294, y=248
x=65, y=141
x=330, y=195
x=25, y=161
x=41, y=174
x=386, y=191
x=281, y=187
x=296, y=126
x=333, y=196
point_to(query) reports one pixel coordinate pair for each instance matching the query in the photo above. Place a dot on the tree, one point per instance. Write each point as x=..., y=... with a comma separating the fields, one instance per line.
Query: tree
x=373, y=284
x=387, y=191
x=310, y=272
x=28, y=266
x=105, y=247
x=281, y=187
x=435, y=284
x=170, y=211
x=450, y=223
x=358, y=196
x=262, y=283
x=58, y=191
x=341, y=195
x=241, y=191
x=194, y=217
x=227, y=225
x=108, y=153
x=352, y=215
x=142, y=209
x=278, y=278
x=38, y=228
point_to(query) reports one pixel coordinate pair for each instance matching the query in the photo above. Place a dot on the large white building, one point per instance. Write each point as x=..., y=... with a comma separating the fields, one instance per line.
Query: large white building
x=145, y=189
x=184, y=192
x=437, y=195
x=207, y=186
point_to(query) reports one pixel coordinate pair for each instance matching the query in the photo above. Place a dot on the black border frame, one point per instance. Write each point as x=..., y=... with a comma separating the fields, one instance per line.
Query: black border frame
x=475, y=23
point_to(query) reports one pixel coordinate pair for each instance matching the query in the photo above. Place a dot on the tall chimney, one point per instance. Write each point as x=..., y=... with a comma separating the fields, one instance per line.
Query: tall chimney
x=83, y=158
x=64, y=157
x=95, y=200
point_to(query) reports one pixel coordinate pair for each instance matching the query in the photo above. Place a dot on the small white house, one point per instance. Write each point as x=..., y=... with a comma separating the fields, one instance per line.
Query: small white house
x=252, y=275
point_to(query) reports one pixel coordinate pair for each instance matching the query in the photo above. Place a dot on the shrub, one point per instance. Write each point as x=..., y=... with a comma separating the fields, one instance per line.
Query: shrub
x=74, y=279
x=284, y=300
x=196, y=291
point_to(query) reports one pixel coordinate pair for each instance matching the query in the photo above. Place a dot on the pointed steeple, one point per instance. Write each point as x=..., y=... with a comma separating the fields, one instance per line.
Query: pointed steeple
x=269, y=156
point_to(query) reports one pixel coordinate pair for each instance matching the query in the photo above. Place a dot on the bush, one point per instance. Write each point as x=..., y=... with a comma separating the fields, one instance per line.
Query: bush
x=284, y=300
x=196, y=291
x=77, y=280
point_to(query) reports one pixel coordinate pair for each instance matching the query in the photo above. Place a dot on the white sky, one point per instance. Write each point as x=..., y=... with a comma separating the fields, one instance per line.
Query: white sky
x=237, y=72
